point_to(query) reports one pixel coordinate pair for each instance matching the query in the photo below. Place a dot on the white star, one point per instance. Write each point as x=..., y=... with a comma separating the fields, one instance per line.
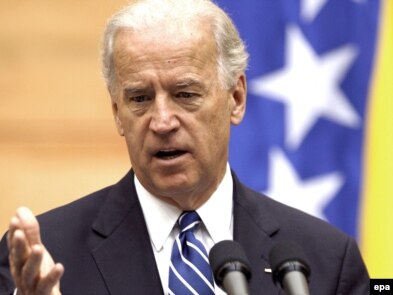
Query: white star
x=310, y=87
x=310, y=196
x=310, y=9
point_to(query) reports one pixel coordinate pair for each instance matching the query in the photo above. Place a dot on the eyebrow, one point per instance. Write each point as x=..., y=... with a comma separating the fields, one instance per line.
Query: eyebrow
x=188, y=82
x=133, y=90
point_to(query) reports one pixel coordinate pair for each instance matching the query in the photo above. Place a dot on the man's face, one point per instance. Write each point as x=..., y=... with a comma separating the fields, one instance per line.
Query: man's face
x=173, y=112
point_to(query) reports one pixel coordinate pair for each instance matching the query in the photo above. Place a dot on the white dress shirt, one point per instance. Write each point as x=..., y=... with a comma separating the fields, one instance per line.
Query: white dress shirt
x=216, y=215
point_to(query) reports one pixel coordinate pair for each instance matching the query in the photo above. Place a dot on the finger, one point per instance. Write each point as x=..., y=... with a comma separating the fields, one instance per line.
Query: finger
x=19, y=251
x=46, y=285
x=29, y=224
x=31, y=269
x=13, y=226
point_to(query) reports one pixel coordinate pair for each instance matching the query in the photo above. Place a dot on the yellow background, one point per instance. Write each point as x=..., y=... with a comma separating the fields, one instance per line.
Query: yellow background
x=58, y=141
x=377, y=219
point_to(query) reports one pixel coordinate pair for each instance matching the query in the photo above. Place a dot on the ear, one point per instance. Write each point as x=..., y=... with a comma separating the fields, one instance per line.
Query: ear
x=238, y=100
x=116, y=116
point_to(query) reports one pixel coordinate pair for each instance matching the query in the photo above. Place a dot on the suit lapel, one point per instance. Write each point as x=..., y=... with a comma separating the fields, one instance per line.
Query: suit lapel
x=254, y=228
x=124, y=256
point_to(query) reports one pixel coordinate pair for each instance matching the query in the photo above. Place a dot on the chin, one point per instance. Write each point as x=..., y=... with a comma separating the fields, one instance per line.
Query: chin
x=171, y=186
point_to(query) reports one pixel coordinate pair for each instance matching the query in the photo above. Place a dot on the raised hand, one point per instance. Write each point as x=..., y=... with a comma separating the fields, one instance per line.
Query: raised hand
x=31, y=265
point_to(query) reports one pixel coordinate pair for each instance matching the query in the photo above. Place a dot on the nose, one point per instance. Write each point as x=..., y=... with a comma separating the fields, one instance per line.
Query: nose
x=164, y=118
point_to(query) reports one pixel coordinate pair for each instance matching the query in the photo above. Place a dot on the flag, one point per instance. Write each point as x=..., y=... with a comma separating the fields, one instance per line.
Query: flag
x=305, y=137
x=377, y=221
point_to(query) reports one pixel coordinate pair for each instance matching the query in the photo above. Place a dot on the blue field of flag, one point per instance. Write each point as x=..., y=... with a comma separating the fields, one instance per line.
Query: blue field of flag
x=301, y=141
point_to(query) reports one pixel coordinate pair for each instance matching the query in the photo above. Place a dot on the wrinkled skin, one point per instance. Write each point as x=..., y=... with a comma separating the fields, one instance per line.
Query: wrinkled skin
x=173, y=112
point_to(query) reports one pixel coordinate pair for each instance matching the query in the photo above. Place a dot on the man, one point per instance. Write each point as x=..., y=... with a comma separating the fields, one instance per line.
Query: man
x=175, y=74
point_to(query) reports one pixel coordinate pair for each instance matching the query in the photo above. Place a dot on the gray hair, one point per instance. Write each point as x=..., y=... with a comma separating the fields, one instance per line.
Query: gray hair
x=232, y=57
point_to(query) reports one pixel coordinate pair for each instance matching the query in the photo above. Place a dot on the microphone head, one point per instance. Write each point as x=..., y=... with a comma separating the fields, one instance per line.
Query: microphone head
x=227, y=256
x=287, y=256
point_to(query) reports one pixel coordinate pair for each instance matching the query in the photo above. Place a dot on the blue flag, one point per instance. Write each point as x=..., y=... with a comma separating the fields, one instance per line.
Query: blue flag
x=301, y=141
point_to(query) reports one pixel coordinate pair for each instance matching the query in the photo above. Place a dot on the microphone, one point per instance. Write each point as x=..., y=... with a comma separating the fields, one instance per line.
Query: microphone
x=230, y=267
x=290, y=268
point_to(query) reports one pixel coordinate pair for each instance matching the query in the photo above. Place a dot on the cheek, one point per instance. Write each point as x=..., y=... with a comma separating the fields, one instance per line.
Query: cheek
x=220, y=118
x=133, y=132
x=214, y=129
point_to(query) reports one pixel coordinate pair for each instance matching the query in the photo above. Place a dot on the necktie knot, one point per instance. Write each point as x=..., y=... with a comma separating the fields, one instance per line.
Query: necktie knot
x=188, y=221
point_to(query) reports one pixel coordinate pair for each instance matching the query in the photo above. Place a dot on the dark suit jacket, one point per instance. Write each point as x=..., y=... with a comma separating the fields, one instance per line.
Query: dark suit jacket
x=103, y=242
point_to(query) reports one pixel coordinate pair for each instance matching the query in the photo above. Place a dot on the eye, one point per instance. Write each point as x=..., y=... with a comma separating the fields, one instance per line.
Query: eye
x=139, y=98
x=189, y=99
x=185, y=95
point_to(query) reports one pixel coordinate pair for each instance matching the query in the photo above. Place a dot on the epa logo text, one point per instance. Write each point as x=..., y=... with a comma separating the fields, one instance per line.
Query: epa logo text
x=381, y=286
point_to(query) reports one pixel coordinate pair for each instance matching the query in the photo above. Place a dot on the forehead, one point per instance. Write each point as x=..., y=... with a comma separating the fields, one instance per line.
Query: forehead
x=170, y=45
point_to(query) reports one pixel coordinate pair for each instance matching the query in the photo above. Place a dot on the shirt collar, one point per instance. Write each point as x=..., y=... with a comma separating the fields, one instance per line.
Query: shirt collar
x=216, y=213
x=161, y=216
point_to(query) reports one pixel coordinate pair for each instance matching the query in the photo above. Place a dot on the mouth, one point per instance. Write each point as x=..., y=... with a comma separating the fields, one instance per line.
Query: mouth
x=169, y=154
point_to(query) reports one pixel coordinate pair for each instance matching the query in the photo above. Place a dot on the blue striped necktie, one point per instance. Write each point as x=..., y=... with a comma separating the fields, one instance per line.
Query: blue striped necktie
x=189, y=271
